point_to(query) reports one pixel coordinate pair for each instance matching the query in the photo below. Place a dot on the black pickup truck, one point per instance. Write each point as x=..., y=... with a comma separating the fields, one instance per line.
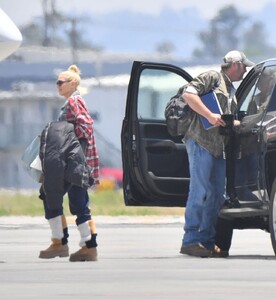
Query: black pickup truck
x=155, y=164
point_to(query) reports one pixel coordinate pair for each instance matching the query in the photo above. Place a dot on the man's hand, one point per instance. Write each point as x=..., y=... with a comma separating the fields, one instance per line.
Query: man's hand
x=216, y=120
x=237, y=123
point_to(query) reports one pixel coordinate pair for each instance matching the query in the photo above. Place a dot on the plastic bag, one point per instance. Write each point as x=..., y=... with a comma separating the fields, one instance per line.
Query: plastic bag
x=30, y=157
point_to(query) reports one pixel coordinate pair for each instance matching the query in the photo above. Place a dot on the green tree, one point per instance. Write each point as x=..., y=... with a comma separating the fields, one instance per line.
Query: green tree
x=54, y=29
x=52, y=21
x=166, y=48
x=223, y=33
x=255, y=42
x=32, y=34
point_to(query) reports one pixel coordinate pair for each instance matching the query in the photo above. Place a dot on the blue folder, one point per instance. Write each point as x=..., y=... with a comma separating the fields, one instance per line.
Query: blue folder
x=211, y=101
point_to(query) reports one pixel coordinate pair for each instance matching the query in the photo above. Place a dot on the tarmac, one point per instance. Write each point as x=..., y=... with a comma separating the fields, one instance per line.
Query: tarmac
x=138, y=259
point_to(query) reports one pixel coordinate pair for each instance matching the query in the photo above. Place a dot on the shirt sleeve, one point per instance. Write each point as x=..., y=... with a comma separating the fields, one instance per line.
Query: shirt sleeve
x=191, y=89
x=78, y=115
x=204, y=83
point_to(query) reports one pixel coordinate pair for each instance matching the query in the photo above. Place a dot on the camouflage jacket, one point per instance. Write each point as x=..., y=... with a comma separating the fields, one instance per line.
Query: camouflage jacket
x=211, y=140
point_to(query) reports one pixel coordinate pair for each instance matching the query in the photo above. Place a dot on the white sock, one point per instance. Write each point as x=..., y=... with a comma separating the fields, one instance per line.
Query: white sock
x=85, y=233
x=56, y=227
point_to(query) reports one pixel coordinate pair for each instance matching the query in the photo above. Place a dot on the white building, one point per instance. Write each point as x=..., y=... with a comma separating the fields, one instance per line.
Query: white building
x=26, y=110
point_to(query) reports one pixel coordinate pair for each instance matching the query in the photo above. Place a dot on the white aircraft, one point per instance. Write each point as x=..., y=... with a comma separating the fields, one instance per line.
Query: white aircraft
x=10, y=36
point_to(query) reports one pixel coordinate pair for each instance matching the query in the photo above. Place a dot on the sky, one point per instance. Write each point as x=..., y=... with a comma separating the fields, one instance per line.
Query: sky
x=23, y=11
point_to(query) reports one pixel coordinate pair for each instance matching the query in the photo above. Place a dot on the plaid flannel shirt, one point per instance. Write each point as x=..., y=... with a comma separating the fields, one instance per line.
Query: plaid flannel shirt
x=75, y=111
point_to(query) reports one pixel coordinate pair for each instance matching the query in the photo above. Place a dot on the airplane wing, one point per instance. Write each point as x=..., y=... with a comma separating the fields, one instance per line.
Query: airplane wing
x=10, y=36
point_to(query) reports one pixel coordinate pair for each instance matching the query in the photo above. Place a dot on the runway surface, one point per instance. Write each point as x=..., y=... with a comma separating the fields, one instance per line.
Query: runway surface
x=138, y=259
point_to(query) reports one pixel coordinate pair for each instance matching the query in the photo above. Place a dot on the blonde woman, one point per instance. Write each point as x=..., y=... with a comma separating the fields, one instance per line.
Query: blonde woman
x=73, y=111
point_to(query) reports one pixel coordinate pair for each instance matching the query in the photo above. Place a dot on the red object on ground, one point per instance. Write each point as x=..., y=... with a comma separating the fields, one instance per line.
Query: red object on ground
x=115, y=173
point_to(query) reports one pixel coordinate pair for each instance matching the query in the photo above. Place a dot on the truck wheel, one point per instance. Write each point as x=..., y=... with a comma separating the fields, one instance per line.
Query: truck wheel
x=272, y=216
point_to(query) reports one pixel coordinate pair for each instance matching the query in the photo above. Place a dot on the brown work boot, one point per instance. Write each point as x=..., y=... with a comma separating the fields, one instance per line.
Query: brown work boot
x=56, y=249
x=197, y=250
x=85, y=254
x=219, y=253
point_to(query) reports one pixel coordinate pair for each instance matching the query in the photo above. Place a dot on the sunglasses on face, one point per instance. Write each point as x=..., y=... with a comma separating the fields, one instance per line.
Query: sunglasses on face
x=60, y=82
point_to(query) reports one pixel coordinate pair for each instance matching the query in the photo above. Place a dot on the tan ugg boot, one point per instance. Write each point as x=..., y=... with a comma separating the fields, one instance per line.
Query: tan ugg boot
x=85, y=254
x=63, y=221
x=92, y=226
x=88, y=243
x=56, y=249
x=59, y=239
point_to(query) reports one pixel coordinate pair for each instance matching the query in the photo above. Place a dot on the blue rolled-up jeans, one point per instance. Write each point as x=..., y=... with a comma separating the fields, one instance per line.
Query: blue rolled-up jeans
x=78, y=204
x=206, y=195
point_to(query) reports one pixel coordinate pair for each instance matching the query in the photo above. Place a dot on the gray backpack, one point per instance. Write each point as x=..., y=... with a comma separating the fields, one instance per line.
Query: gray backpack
x=178, y=114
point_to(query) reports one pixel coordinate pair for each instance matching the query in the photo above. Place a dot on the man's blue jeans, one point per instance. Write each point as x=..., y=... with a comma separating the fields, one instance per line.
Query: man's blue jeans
x=206, y=196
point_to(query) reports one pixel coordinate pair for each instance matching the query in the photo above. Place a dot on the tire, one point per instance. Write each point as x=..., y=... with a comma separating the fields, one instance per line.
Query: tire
x=272, y=216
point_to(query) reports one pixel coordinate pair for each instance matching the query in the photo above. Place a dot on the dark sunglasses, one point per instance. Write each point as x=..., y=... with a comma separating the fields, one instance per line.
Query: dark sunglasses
x=60, y=82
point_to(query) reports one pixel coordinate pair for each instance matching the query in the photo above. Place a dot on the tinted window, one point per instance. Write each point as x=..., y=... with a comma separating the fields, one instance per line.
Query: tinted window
x=259, y=92
x=156, y=87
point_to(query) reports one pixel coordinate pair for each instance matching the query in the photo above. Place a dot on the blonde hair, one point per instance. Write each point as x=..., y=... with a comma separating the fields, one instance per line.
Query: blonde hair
x=73, y=74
